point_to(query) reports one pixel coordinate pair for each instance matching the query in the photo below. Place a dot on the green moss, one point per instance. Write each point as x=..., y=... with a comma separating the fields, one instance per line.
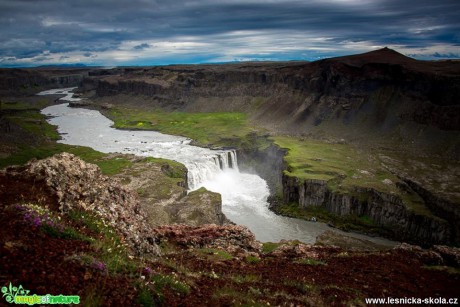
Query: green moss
x=145, y=297
x=214, y=254
x=268, y=247
x=239, y=297
x=161, y=282
x=252, y=259
x=204, y=128
x=171, y=168
x=66, y=233
x=198, y=192
x=304, y=288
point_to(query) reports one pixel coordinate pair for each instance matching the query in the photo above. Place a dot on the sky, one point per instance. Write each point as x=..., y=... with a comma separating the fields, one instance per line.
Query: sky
x=160, y=32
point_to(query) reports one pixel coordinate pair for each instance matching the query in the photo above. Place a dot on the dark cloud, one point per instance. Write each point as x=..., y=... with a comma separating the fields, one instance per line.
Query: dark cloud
x=141, y=46
x=298, y=29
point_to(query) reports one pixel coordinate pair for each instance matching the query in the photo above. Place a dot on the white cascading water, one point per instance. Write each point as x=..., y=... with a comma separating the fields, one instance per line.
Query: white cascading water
x=244, y=196
x=199, y=172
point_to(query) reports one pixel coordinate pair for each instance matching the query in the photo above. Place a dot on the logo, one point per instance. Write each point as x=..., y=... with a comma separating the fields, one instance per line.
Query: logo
x=19, y=295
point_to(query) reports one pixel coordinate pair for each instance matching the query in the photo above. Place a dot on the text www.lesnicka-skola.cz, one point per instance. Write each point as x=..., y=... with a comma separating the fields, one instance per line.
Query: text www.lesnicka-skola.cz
x=412, y=300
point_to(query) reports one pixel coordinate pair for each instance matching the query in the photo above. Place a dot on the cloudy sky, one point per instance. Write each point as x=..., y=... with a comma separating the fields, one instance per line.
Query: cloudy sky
x=154, y=32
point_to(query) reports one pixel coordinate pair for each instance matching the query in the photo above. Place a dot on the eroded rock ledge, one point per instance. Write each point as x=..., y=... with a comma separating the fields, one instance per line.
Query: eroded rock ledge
x=76, y=185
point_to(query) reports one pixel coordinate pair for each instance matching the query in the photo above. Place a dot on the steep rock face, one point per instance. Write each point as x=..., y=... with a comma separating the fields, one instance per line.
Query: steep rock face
x=381, y=89
x=77, y=185
x=383, y=209
x=268, y=163
x=22, y=80
x=441, y=207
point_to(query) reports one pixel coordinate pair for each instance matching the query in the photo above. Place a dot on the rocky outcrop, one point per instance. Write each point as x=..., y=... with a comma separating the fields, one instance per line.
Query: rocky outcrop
x=231, y=238
x=162, y=189
x=77, y=185
x=437, y=255
x=199, y=207
x=383, y=209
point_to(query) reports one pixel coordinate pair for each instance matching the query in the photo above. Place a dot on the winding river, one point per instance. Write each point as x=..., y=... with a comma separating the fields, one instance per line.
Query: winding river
x=244, y=196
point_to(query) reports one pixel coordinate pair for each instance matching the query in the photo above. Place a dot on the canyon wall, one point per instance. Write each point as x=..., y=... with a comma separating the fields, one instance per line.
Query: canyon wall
x=267, y=162
x=383, y=209
x=30, y=81
x=295, y=96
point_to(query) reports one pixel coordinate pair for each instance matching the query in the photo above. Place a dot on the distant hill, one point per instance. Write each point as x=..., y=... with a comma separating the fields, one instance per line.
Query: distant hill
x=389, y=56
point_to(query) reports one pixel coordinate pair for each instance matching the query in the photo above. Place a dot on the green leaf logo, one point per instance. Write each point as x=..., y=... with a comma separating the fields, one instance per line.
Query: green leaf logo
x=10, y=292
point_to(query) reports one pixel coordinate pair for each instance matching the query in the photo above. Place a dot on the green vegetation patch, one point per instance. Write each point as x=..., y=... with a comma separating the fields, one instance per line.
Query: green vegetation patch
x=168, y=281
x=108, y=166
x=450, y=270
x=112, y=252
x=204, y=128
x=311, y=159
x=214, y=254
x=252, y=259
x=268, y=247
x=249, y=278
x=171, y=168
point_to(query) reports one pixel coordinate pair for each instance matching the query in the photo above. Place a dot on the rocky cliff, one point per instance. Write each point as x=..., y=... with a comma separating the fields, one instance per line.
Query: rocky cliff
x=260, y=156
x=29, y=81
x=385, y=210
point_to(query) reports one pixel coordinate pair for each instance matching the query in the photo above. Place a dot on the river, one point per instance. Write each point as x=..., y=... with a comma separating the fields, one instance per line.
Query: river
x=244, y=196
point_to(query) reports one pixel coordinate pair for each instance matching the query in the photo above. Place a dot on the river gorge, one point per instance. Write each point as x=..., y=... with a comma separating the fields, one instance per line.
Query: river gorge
x=244, y=196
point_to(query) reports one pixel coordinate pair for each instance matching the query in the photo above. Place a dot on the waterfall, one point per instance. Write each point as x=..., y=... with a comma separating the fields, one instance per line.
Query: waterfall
x=206, y=169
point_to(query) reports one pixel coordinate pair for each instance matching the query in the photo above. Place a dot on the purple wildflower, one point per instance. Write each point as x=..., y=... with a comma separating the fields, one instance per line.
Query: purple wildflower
x=19, y=207
x=37, y=222
x=99, y=265
x=147, y=270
